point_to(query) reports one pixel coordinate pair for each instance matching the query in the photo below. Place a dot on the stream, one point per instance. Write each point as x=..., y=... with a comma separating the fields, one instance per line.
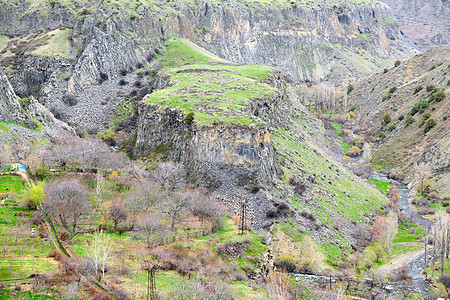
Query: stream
x=416, y=266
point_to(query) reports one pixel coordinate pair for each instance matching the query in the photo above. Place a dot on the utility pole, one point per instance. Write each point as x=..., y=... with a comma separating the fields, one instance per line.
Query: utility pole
x=243, y=214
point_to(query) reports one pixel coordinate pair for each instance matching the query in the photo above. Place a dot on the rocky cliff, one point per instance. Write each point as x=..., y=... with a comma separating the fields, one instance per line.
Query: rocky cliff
x=424, y=22
x=57, y=51
x=10, y=109
x=407, y=93
x=241, y=131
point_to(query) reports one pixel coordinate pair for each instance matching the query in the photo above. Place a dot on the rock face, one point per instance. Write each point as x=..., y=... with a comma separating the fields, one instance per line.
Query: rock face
x=424, y=22
x=10, y=110
x=307, y=42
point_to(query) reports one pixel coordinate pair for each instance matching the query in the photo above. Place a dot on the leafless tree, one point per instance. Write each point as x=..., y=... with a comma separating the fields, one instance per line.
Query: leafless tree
x=440, y=241
x=118, y=214
x=100, y=252
x=169, y=175
x=5, y=156
x=423, y=172
x=204, y=206
x=391, y=231
x=149, y=225
x=66, y=201
x=173, y=205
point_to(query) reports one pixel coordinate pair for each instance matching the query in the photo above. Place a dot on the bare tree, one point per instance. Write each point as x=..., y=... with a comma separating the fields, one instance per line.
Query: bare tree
x=66, y=201
x=100, y=252
x=204, y=206
x=5, y=156
x=118, y=214
x=423, y=171
x=99, y=188
x=149, y=225
x=169, y=175
x=391, y=231
x=173, y=205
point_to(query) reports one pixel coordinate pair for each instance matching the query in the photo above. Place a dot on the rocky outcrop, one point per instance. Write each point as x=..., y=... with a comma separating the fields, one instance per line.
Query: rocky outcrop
x=10, y=110
x=308, y=42
x=425, y=22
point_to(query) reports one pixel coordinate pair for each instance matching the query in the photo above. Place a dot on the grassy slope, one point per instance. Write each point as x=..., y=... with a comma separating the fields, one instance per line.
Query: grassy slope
x=406, y=144
x=216, y=91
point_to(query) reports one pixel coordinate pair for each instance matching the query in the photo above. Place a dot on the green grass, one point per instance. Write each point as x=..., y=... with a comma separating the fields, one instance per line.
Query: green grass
x=11, y=183
x=58, y=44
x=408, y=233
x=212, y=89
x=381, y=185
x=437, y=273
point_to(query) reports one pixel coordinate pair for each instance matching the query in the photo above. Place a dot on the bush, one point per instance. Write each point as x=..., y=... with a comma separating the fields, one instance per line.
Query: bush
x=409, y=120
x=430, y=87
x=418, y=89
x=426, y=211
x=432, y=67
x=33, y=196
x=445, y=280
x=391, y=127
x=299, y=187
x=392, y=90
x=189, y=118
x=285, y=262
x=419, y=107
x=69, y=99
x=439, y=96
x=386, y=119
x=445, y=118
x=103, y=77
x=430, y=123
x=42, y=173
x=397, y=63
x=401, y=117
x=385, y=70
x=350, y=88
x=123, y=72
x=138, y=83
x=122, y=82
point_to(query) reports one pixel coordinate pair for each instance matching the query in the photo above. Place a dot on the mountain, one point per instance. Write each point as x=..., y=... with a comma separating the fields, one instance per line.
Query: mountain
x=408, y=94
x=424, y=22
x=70, y=54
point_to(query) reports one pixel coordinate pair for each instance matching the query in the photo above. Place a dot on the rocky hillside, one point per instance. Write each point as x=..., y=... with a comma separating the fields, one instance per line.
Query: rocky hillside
x=411, y=94
x=71, y=54
x=424, y=22
x=242, y=132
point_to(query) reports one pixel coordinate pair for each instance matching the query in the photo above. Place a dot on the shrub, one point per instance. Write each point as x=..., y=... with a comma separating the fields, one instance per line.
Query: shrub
x=438, y=96
x=417, y=89
x=430, y=123
x=286, y=263
x=138, y=83
x=391, y=127
x=189, y=118
x=42, y=173
x=419, y=107
x=122, y=82
x=392, y=90
x=69, y=99
x=401, y=117
x=350, y=88
x=430, y=87
x=299, y=187
x=386, y=119
x=447, y=210
x=445, y=118
x=385, y=70
x=432, y=67
x=426, y=116
x=397, y=63
x=409, y=120
x=103, y=77
x=123, y=72
x=445, y=280
x=426, y=211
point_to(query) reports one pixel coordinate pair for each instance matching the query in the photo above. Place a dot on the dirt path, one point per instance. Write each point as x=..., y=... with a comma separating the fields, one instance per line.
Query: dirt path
x=401, y=260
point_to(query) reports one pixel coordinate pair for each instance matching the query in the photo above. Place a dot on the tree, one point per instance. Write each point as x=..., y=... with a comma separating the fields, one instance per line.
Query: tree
x=66, y=201
x=5, y=156
x=378, y=229
x=203, y=206
x=118, y=214
x=386, y=119
x=100, y=252
x=391, y=231
x=397, y=63
x=423, y=171
x=149, y=225
x=33, y=196
x=173, y=205
x=169, y=175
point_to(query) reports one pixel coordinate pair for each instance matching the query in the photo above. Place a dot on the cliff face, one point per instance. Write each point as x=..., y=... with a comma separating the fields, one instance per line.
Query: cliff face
x=424, y=22
x=10, y=110
x=241, y=131
x=404, y=143
x=65, y=49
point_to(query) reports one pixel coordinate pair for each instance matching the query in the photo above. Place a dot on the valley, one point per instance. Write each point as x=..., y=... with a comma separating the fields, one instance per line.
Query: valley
x=237, y=149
